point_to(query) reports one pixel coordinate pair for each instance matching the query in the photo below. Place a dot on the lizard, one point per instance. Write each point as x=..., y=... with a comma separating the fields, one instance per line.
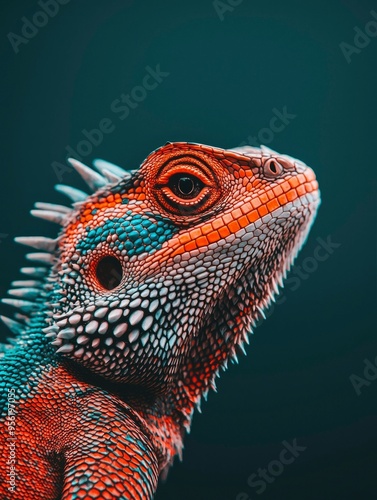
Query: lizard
x=155, y=281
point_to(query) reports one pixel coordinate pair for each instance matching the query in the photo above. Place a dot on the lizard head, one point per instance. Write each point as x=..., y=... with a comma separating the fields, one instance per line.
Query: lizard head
x=161, y=275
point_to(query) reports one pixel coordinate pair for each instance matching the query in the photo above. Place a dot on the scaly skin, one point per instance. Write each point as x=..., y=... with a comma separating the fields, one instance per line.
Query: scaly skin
x=154, y=281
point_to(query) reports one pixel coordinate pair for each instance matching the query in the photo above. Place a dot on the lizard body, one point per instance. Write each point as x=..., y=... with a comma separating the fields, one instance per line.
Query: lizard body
x=154, y=282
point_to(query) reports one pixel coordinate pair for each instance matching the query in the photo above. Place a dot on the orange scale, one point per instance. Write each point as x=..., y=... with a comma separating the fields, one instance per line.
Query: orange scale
x=256, y=203
x=273, y=205
x=236, y=213
x=184, y=238
x=301, y=190
x=243, y=221
x=213, y=237
x=285, y=186
x=246, y=208
x=234, y=226
x=207, y=228
x=282, y=199
x=190, y=246
x=301, y=178
x=294, y=182
x=292, y=195
x=227, y=218
x=202, y=241
x=277, y=190
x=217, y=223
x=195, y=233
x=262, y=210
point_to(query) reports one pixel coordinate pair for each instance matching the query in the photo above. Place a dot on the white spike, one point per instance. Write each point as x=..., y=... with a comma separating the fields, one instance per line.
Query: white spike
x=261, y=312
x=50, y=331
x=91, y=177
x=67, y=333
x=102, y=165
x=27, y=293
x=65, y=349
x=37, y=272
x=45, y=258
x=14, y=326
x=26, y=283
x=24, y=305
x=110, y=176
x=56, y=217
x=52, y=206
x=235, y=358
x=198, y=405
x=38, y=242
x=242, y=348
x=275, y=285
x=72, y=193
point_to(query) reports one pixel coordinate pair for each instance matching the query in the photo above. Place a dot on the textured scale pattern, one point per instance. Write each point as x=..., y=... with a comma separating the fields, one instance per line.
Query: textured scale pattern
x=153, y=284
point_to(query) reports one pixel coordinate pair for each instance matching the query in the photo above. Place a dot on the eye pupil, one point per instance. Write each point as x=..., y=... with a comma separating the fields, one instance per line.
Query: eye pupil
x=273, y=167
x=186, y=185
x=109, y=272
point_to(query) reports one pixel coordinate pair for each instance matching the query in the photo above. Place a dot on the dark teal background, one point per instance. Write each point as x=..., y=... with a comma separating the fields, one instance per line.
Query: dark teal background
x=225, y=78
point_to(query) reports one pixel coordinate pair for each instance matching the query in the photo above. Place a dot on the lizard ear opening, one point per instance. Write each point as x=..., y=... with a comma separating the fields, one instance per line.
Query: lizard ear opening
x=109, y=272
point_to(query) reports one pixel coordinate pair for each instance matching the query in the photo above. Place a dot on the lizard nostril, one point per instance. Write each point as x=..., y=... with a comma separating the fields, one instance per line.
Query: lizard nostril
x=272, y=168
x=109, y=272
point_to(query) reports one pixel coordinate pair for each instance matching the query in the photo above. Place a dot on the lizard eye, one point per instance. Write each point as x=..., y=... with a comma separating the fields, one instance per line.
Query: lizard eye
x=185, y=186
x=109, y=272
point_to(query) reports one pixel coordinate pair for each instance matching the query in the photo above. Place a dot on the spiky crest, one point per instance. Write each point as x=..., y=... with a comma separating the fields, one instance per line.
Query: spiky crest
x=27, y=293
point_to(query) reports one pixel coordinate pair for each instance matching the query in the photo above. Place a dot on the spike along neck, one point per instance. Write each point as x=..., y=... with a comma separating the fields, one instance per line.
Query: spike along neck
x=35, y=296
